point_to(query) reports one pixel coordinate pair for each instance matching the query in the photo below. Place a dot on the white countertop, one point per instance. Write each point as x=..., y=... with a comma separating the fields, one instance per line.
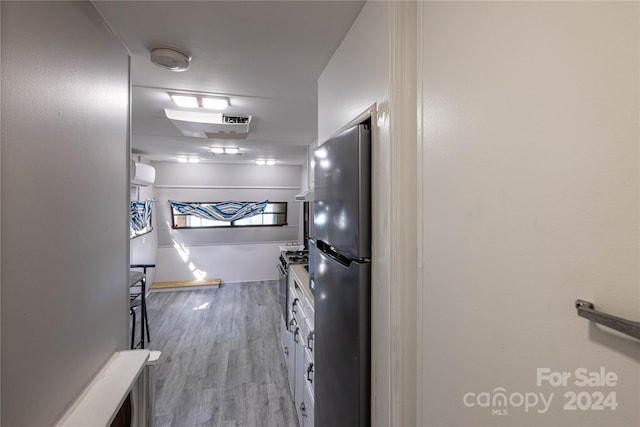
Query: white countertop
x=303, y=278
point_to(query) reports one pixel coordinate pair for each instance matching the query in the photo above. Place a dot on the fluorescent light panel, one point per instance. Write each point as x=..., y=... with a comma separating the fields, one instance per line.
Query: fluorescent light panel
x=215, y=103
x=187, y=101
x=197, y=101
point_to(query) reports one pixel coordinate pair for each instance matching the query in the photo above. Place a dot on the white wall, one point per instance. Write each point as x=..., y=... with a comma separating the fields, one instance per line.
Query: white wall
x=531, y=180
x=64, y=205
x=356, y=78
x=233, y=255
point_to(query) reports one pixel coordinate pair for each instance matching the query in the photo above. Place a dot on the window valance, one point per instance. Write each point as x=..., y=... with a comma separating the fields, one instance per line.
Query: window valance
x=222, y=211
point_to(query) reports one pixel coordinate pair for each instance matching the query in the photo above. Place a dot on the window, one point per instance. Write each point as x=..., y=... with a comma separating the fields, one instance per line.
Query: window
x=274, y=214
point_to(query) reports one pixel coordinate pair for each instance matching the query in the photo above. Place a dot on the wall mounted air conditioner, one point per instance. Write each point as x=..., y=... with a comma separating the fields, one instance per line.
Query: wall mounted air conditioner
x=142, y=174
x=209, y=125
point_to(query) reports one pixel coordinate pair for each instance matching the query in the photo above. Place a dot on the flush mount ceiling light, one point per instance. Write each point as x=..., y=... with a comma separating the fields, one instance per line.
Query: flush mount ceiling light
x=188, y=160
x=262, y=162
x=170, y=58
x=225, y=151
x=200, y=101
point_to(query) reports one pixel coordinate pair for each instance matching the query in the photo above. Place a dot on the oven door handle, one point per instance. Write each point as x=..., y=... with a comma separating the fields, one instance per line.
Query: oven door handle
x=281, y=269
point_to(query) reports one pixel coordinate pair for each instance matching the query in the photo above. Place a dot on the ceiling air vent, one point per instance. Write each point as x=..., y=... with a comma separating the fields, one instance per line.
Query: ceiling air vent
x=235, y=119
x=209, y=125
x=233, y=127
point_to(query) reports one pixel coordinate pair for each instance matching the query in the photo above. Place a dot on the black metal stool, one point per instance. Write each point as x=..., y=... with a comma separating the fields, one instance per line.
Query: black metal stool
x=137, y=298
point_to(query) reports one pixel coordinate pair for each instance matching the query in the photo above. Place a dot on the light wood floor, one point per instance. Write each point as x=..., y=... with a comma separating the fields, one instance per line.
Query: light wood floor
x=221, y=362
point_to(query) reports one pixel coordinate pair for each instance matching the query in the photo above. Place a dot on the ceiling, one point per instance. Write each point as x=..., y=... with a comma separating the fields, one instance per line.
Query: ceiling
x=266, y=56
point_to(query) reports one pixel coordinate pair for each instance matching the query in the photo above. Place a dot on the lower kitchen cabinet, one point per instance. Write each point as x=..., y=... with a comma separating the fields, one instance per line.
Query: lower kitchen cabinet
x=297, y=345
x=288, y=348
x=285, y=339
x=294, y=334
x=308, y=403
x=299, y=381
x=306, y=394
x=303, y=382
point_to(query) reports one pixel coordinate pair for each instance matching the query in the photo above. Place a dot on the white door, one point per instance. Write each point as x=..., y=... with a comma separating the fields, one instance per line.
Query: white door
x=529, y=201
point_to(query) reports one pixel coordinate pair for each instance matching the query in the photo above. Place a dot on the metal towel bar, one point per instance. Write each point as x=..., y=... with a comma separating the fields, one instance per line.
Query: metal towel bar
x=628, y=327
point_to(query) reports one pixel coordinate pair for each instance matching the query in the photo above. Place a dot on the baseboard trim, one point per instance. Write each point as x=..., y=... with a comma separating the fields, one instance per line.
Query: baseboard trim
x=209, y=283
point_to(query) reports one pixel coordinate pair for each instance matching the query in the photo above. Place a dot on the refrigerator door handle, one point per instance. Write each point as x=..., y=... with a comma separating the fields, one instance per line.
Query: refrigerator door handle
x=334, y=255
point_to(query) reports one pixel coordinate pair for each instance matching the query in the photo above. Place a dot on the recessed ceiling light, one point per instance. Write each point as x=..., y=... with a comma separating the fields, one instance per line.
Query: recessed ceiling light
x=215, y=102
x=217, y=150
x=182, y=160
x=271, y=162
x=260, y=162
x=194, y=160
x=189, y=101
x=231, y=150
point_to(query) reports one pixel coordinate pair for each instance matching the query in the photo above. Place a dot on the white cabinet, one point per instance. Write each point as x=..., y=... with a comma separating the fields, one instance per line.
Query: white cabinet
x=285, y=339
x=298, y=341
x=299, y=381
x=294, y=338
x=306, y=406
x=303, y=378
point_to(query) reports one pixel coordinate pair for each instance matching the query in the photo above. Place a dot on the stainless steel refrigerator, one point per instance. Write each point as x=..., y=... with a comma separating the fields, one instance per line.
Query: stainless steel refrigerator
x=341, y=279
